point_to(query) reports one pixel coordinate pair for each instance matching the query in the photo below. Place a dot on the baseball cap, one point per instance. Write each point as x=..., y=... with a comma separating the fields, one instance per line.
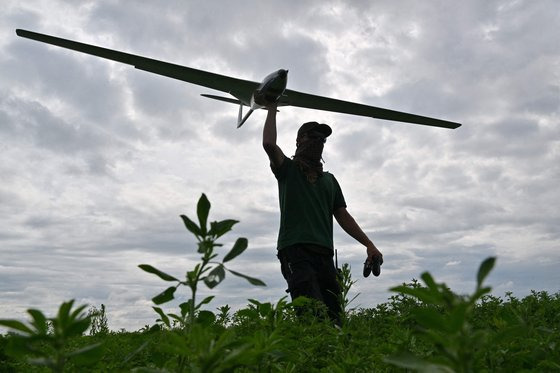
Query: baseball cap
x=315, y=127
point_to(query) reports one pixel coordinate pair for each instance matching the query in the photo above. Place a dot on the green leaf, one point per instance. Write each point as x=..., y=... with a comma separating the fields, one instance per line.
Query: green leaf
x=163, y=316
x=219, y=228
x=484, y=270
x=64, y=313
x=176, y=317
x=205, y=246
x=205, y=318
x=204, y=301
x=202, y=210
x=239, y=246
x=429, y=318
x=252, y=280
x=77, y=312
x=480, y=293
x=77, y=327
x=407, y=360
x=16, y=325
x=185, y=307
x=87, y=355
x=164, y=276
x=165, y=296
x=42, y=361
x=191, y=226
x=423, y=294
x=429, y=281
x=215, y=276
x=457, y=317
x=39, y=321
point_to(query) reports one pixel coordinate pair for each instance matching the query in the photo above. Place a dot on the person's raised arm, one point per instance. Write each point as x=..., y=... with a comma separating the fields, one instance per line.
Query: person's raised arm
x=273, y=151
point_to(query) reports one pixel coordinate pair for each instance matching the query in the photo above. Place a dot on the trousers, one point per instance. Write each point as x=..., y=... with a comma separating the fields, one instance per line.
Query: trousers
x=312, y=273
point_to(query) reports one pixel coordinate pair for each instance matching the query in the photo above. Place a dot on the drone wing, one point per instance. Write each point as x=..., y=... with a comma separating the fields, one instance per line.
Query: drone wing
x=306, y=100
x=239, y=88
x=242, y=89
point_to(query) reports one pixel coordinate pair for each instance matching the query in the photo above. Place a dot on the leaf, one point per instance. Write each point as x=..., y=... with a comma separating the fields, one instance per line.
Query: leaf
x=64, y=312
x=429, y=281
x=423, y=294
x=215, y=276
x=204, y=301
x=191, y=226
x=484, y=270
x=457, y=317
x=407, y=360
x=16, y=325
x=77, y=312
x=480, y=293
x=137, y=351
x=77, y=327
x=252, y=280
x=87, y=355
x=205, y=246
x=239, y=246
x=202, y=210
x=164, y=276
x=205, y=317
x=163, y=316
x=185, y=307
x=165, y=296
x=429, y=318
x=39, y=321
x=219, y=228
x=42, y=361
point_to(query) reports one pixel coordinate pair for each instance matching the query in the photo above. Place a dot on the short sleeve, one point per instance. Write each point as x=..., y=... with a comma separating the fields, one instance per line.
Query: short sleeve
x=338, y=196
x=281, y=171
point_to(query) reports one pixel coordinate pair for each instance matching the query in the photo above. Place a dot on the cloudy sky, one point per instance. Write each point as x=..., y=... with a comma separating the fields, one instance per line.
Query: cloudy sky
x=99, y=159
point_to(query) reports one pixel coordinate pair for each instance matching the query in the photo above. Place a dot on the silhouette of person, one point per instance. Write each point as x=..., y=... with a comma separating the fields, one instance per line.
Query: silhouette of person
x=309, y=198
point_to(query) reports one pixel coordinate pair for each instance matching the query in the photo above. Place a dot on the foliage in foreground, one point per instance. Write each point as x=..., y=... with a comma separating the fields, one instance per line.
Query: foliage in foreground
x=423, y=327
x=519, y=335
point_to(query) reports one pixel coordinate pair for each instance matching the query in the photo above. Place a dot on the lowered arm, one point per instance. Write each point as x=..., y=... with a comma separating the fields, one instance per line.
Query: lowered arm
x=349, y=225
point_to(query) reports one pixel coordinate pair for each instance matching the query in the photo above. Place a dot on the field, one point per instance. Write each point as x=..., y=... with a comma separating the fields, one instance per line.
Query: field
x=500, y=335
x=424, y=326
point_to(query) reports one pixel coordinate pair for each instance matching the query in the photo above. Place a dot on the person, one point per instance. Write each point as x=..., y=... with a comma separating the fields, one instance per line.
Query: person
x=309, y=198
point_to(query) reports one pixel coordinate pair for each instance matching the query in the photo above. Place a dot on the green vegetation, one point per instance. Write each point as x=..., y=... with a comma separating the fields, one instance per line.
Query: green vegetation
x=423, y=327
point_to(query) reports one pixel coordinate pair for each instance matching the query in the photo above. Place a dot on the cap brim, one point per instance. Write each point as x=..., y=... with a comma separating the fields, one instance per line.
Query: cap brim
x=324, y=129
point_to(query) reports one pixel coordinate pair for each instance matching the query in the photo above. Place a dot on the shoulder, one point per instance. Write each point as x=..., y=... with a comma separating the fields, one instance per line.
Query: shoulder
x=281, y=170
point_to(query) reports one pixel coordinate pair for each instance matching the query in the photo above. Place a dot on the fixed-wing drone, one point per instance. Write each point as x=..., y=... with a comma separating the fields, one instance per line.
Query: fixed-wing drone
x=254, y=95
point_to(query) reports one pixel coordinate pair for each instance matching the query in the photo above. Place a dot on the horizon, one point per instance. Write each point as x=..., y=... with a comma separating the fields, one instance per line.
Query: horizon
x=100, y=159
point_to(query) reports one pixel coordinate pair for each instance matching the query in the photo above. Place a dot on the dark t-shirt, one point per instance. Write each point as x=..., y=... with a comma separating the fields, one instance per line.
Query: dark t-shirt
x=306, y=209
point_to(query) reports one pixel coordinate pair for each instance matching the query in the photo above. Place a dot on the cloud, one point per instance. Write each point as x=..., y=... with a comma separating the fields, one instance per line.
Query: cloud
x=100, y=159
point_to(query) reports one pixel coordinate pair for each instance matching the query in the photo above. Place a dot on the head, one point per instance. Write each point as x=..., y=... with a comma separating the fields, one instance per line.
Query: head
x=311, y=131
x=310, y=139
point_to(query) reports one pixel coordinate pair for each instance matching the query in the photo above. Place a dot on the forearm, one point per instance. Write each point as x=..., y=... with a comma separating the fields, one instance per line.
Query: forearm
x=269, y=131
x=349, y=225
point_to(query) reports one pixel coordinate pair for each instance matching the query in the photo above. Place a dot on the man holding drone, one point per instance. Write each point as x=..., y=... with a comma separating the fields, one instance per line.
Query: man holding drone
x=309, y=198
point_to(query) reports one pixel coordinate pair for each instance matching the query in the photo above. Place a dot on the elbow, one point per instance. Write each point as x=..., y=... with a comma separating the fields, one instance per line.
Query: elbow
x=268, y=146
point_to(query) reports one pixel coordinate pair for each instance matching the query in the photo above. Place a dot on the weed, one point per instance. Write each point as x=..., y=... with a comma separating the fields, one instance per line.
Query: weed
x=210, y=272
x=50, y=348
